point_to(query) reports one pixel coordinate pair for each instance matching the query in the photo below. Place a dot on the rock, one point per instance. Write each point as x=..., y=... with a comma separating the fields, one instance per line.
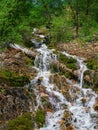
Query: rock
x=43, y=95
x=40, y=80
x=83, y=100
x=87, y=77
x=18, y=55
x=71, y=128
x=96, y=105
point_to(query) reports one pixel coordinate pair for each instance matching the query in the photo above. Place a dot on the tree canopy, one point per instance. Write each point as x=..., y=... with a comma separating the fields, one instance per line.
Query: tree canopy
x=69, y=19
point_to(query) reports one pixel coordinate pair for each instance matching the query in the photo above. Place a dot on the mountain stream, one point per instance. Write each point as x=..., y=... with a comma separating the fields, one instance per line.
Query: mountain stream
x=83, y=116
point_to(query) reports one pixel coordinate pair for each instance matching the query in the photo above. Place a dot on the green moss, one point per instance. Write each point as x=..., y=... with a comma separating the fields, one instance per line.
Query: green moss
x=68, y=61
x=19, y=81
x=2, y=90
x=51, y=46
x=40, y=117
x=14, y=79
x=29, y=61
x=68, y=75
x=21, y=123
x=92, y=63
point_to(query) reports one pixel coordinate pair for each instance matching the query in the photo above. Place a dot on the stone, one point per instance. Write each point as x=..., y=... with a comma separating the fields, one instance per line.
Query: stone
x=40, y=80
x=96, y=104
x=71, y=127
x=43, y=95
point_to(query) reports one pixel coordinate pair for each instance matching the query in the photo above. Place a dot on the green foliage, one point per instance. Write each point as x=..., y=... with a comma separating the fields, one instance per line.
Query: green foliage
x=14, y=79
x=18, y=17
x=92, y=63
x=23, y=122
x=60, y=30
x=40, y=117
x=68, y=75
x=68, y=61
x=14, y=19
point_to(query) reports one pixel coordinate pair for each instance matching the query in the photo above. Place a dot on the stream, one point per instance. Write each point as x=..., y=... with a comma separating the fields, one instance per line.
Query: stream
x=83, y=116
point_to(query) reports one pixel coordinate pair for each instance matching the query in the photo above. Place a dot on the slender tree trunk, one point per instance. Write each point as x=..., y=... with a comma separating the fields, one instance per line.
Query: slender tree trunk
x=77, y=20
x=87, y=7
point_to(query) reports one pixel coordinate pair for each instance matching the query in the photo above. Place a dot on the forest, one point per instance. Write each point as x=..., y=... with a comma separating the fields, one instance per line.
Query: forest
x=66, y=20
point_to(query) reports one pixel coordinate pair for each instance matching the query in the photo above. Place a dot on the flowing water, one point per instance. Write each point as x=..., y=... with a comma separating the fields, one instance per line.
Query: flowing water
x=83, y=115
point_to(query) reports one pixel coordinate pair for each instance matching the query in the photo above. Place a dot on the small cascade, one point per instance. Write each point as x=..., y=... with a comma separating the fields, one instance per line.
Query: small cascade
x=83, y=114
x=81, y=108
x=42, y=62
x=82, y=66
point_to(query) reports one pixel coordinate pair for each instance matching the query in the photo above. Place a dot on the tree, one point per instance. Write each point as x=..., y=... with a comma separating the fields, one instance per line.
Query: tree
x=15, y=19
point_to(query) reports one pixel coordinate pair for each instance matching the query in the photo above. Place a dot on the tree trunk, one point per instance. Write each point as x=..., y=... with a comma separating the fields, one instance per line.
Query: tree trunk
x=77, y=20
x=87, y=7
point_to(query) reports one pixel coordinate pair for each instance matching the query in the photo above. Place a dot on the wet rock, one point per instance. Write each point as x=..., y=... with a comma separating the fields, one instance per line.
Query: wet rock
x=91, y=79
x=40, y=80
x=96, y=105
x=83, y=101
x=71, y=128
x=43, y=95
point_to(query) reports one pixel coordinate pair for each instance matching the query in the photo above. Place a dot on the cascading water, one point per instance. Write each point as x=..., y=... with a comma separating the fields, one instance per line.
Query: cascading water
x=83, y=114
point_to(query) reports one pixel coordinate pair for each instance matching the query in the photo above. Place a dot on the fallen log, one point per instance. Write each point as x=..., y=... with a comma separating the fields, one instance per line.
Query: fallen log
x=27, y=51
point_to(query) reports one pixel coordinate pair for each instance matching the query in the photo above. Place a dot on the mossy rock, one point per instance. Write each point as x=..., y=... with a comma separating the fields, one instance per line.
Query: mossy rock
x=23, y=122
x=68, y=61
x=91, y=79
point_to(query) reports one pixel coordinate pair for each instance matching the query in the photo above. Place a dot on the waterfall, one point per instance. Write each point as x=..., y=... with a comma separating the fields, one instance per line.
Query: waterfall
x=82, y=66
x=83, y=116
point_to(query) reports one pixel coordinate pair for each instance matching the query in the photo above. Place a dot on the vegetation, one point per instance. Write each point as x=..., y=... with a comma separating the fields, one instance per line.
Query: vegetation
x=66, y=20
x=23, y=122
x=14, y=79
x=92, y=63
x=68, y=61
x=40, y=117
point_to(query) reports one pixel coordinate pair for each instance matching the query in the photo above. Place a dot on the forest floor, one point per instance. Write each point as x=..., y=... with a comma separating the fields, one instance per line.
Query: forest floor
x=83, y=50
